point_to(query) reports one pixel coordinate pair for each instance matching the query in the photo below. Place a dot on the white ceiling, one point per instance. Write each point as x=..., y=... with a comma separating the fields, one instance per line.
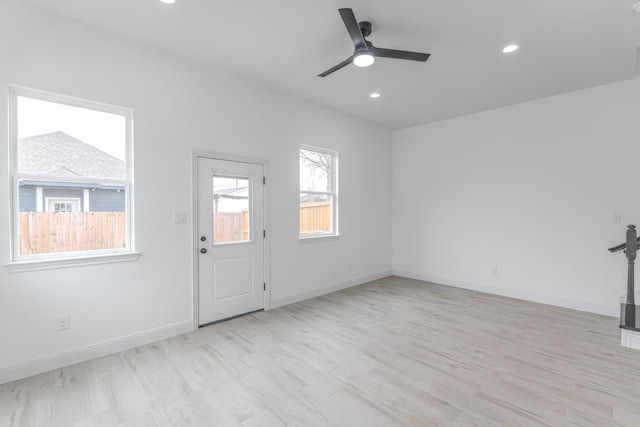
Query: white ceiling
x=565, y=45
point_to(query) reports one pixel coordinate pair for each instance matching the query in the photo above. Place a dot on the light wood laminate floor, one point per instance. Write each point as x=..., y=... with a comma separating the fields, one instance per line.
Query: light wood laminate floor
x=386, y=353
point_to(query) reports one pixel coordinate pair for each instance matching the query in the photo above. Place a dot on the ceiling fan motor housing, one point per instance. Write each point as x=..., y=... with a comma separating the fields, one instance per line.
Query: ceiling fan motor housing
x=365, y=28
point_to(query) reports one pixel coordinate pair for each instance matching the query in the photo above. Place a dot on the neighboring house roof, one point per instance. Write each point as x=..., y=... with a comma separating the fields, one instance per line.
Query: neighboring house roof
x=232, y=193
x=57, y=154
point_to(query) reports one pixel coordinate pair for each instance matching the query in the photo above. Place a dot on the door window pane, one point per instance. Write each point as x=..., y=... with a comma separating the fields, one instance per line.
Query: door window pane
x=231, y=209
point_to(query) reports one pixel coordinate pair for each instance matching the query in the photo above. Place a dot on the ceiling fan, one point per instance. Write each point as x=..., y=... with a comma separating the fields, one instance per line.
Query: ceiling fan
x=364, y=51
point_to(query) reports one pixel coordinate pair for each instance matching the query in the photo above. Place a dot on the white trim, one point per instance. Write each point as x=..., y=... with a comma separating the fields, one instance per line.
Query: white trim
x=39, y=200
x=69, y=100
x=14, y=206
x=89, y=352
x=309, y=238
x=195, y=237
x=630, y=339
x=195, y=274
x=78, y=261
x=85, y=200
x=267, y=241
x=606, y=310
x=326, y=289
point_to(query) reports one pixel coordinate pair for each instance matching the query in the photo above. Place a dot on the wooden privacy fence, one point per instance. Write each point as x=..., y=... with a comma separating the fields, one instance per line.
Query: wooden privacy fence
x=234, y=226
x=315, y=216
x=49, y=232
x=230, y=226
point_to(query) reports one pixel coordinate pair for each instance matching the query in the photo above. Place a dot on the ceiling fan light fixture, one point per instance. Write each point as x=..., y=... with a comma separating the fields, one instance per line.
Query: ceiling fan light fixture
x=365, y=52
x=363, y=60
x=510, y=48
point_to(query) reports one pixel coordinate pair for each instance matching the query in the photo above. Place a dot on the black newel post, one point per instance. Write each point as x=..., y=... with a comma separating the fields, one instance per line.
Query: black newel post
x=630, y=249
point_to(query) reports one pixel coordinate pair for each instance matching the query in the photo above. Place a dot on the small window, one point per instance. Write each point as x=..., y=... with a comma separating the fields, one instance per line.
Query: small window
x=71, y=177
x=60, y=205
x=318, y=192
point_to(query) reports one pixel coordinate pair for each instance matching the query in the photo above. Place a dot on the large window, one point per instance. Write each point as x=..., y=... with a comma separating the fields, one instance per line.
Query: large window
x=318, y=192
x=71, y=177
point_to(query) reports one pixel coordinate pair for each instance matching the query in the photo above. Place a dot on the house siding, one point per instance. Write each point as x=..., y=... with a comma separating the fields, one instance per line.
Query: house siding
x=107, y=200
x=27, y=199
x=100, y=200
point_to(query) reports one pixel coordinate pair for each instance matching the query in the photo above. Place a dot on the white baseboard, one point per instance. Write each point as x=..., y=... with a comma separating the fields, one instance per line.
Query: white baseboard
x=606, y=310
x=327, y=289
x=82, y=354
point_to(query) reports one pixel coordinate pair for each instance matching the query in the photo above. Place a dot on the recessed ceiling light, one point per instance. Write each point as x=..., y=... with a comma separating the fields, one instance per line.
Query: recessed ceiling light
x=510, y=48
x=168, y=1
x=375, y=95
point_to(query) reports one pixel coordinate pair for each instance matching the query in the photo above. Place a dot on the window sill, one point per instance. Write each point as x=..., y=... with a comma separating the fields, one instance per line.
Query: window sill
x=49, y=264
x=319, y=238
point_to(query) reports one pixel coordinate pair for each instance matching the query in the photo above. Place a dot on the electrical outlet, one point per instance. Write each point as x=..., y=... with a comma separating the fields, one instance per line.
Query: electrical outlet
x=63, y=322
x=494, y=271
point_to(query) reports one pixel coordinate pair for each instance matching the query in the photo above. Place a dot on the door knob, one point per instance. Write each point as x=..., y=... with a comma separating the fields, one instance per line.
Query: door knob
x=203, y=251
x=203, y=238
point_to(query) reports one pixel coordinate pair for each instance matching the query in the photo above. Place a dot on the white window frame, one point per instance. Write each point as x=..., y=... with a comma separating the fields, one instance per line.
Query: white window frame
x=334, y=232
x=19, y=262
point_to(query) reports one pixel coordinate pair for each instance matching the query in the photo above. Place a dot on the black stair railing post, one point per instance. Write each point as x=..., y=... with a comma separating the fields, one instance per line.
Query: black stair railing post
x=631, y=248
x=629, y=312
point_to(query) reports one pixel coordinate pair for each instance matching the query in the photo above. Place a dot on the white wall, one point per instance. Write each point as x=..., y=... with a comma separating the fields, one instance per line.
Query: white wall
x=529, y=189
x=178, y=106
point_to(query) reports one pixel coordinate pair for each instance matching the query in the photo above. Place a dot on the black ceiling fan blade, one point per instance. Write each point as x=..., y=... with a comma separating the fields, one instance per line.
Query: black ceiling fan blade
x=400, y=54
x=353, y=28
x=337, y=67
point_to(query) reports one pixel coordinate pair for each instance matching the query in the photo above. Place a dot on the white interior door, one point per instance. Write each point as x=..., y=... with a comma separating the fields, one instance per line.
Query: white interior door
x=230, y=239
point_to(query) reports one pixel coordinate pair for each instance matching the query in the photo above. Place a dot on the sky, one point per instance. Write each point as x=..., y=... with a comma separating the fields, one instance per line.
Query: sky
x=105, y=131
x=312, y=178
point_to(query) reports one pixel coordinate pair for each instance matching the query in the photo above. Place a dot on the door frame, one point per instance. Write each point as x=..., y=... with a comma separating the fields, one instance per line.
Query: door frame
x=196, y=154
